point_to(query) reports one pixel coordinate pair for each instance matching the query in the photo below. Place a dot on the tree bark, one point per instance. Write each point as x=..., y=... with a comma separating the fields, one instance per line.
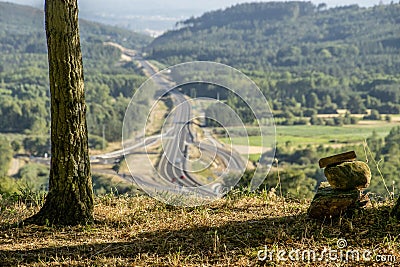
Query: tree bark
x=70, y=197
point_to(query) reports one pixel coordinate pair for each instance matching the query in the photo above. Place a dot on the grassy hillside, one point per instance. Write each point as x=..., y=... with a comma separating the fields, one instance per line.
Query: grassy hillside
x=110, y=81
x=139, y=231
x=24, y=105
x=299, y=54
x=18, y=21
x=310, y=62
x=289, y=35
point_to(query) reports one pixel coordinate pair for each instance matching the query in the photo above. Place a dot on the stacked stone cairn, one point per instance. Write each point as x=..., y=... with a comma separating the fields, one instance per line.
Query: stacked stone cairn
x=342, y=194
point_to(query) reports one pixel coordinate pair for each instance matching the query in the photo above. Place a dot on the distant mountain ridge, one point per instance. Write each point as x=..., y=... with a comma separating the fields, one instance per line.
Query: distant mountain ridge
x=20, y=20
x=276, y=35
x=306, y=59
x=24, y=87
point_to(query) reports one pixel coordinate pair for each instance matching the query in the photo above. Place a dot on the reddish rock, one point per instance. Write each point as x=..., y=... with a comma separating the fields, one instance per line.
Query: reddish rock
x=329, y=202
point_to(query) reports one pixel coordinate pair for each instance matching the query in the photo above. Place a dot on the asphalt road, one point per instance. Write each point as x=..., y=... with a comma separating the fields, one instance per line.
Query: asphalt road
x=171, y=167
x=172, y=163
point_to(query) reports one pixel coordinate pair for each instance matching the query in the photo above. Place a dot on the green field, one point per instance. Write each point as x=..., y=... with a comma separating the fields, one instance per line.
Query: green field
x=303, y=135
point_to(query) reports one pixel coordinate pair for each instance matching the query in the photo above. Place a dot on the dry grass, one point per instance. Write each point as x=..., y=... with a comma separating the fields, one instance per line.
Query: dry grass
x=156, y=119
x=139, y=231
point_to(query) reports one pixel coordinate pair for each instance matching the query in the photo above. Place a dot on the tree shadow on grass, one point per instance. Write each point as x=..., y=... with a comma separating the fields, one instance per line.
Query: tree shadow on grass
x=218, y=243
x=199, y=241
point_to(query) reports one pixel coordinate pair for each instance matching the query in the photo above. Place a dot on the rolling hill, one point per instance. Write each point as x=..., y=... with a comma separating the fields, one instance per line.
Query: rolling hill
x=299, y=54
x=288, y=35
x=24, y=104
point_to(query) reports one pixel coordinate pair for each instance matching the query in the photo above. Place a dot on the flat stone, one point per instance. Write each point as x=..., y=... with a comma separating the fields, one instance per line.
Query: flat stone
x=330, y=203
x=337, y=159
x=348, y=175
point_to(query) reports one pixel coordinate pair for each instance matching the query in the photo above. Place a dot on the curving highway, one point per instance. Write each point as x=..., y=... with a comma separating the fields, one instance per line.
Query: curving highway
x=172, y=166
x=174, y=158
x=173, y=162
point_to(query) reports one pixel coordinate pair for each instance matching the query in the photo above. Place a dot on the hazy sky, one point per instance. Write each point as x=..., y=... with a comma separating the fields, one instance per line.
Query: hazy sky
x=138, y=6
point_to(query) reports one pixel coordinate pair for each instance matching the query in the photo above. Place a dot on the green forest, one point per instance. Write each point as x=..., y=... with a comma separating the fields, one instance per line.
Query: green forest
x=331, y=79
x=300, y=54
x=24, y=90
x=308, y=61
x=24, y=102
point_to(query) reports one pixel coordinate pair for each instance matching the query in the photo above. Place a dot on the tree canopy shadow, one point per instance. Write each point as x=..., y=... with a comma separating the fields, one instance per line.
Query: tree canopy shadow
x=215, y=242
x=190, y=241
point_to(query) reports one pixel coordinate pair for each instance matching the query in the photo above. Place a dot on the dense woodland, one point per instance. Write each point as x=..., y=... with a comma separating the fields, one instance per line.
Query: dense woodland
x=24, y=90
x=24, y=102
x=306, y=59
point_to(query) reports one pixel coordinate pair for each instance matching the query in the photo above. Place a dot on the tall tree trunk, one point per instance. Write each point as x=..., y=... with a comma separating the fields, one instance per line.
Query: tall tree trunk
x=70, y=197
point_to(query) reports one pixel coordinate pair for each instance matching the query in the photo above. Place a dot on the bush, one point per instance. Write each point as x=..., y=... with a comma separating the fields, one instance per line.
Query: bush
x=37, y=146
x=104, y=185
x=301, y=122
x=5, y=157
x=8, y=186
x=33, y=176
x=310, y=112
x=97, y=142
x=373, y=116
x=354, y=120
x=315, y=120
x=339, y=121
